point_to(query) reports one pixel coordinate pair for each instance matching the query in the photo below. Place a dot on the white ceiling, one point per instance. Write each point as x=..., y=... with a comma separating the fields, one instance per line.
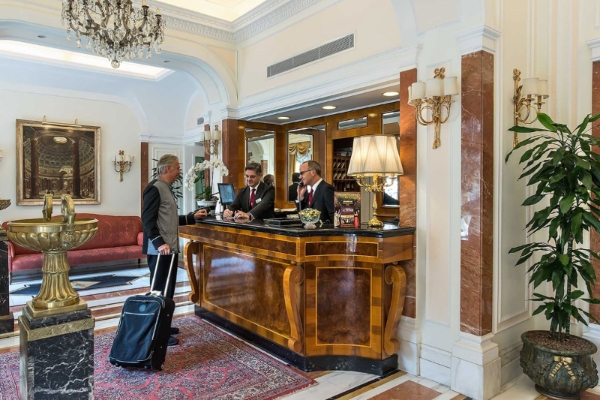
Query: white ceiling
x=228, y=10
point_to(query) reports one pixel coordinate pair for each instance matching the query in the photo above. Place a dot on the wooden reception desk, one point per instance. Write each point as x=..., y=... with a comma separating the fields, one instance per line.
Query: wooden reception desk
x=324, y=299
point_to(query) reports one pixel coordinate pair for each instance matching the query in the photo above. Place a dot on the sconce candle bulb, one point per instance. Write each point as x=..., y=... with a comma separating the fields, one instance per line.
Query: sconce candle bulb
x=435, y=96
x=527, y=97
x=122, y=163
x=211, y=141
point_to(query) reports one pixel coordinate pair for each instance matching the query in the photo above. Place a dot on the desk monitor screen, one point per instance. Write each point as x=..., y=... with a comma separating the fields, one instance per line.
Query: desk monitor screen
x=226, y=193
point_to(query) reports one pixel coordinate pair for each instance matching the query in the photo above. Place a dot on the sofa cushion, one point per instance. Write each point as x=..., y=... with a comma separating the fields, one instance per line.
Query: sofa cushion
x=28, y=262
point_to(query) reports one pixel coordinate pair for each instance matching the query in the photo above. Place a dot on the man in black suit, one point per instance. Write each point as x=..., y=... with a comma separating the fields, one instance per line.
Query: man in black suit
x=314, y=191
x=293, y=188
x=256, y=200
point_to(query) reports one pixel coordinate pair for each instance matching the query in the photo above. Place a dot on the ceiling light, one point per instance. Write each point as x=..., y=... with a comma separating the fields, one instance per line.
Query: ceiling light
x=67, y=58
x=283, y=117
x=329, y=107
x=390, y=94
x=115, y=29
x=60, y=139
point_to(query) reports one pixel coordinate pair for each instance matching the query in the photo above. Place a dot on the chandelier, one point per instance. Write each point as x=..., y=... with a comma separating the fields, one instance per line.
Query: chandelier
x=114, y=29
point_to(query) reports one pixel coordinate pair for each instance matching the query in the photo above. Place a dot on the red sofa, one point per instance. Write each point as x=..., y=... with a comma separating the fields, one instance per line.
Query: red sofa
x=119, y=238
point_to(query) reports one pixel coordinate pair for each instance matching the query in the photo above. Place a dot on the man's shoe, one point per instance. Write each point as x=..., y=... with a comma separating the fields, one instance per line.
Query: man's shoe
x=173, y=341
x=174, y=331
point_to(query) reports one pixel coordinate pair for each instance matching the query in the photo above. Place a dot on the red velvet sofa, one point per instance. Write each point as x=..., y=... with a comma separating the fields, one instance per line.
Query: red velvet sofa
x=119, y=238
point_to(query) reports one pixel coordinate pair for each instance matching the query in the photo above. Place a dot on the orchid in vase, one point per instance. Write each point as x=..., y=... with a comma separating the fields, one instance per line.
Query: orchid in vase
x=197, y=172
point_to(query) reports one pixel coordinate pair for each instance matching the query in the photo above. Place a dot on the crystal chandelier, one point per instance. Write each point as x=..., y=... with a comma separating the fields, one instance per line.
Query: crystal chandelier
x=114, y=29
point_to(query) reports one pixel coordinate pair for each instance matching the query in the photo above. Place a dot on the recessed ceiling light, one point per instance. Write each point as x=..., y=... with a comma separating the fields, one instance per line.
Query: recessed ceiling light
x=60, y=139
x=42, y=36
x=283, y=117
x=329, y=107
x=390, y=94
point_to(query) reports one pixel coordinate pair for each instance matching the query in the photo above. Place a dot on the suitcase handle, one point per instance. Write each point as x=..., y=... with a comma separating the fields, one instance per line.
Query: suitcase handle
x=158, y=292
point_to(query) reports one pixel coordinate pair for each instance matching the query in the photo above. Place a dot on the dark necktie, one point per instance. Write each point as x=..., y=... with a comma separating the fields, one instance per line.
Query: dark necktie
x=310, y=197
x=252, y=204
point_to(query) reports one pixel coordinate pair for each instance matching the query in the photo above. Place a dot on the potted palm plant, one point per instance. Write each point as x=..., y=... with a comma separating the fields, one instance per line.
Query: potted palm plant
x=562, y=167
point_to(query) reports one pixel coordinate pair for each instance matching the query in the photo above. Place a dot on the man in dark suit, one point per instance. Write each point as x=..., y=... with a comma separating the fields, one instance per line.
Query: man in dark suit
x=314, y=191
x=293, y=188
x=256, y=200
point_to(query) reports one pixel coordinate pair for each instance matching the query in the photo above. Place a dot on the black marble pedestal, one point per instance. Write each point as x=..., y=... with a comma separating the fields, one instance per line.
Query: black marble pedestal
x=57, y=356
x=7, y=319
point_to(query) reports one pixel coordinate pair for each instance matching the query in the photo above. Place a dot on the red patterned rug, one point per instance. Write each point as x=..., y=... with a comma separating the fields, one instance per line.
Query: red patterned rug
x=207, y=364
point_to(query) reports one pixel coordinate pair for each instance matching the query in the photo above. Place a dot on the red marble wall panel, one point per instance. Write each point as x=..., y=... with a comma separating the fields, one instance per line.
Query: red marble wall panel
x=477, y=187
x=408, y=182
x=595, y=237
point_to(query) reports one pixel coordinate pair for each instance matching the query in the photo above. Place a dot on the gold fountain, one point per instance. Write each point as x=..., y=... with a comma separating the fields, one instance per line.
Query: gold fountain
x=54, y=237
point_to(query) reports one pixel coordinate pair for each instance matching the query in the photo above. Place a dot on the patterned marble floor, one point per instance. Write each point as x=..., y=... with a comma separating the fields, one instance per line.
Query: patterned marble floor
x=106, y=306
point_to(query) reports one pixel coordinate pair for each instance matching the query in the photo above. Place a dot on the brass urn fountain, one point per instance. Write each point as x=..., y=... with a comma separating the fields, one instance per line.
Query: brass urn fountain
x=54, y=237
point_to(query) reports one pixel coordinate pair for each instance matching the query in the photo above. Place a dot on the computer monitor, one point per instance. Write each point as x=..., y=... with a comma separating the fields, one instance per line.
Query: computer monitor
x=226, y=192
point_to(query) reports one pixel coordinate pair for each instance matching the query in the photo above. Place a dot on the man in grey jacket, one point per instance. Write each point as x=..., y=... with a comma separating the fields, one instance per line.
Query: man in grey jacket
x=161, y=226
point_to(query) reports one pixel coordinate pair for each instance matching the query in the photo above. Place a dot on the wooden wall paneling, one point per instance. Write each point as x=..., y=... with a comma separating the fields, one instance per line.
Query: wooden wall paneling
x=234, y=151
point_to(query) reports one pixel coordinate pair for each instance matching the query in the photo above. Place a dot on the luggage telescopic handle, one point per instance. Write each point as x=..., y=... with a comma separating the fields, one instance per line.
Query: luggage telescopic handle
x=168, y=276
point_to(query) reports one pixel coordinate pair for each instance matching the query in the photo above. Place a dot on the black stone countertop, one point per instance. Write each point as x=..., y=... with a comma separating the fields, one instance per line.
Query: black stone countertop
x=388, y=230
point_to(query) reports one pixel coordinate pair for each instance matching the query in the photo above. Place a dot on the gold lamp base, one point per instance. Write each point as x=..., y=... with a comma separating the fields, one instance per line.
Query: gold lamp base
x=375, y=222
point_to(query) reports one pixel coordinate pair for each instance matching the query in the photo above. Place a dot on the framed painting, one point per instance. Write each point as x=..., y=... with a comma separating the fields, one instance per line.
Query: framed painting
x=57, y=158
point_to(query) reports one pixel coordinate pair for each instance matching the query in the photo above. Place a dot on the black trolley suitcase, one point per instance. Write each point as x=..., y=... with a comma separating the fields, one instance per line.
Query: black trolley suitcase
x=144, y=328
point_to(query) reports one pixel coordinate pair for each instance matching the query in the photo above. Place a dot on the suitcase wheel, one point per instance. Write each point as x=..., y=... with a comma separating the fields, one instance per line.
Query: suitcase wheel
x=162, y=366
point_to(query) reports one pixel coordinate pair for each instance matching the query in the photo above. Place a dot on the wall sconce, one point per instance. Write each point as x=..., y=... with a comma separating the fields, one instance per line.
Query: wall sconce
x=435, y=96
x=122, y=163
x=211, y=141
x=531, y=93
x=375, y=156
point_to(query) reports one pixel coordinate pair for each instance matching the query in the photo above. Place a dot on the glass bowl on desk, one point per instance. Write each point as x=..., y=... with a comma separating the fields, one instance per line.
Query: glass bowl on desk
x=310, y=217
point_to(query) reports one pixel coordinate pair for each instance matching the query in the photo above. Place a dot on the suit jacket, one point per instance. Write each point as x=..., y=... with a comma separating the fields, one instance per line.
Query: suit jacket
x=322, y=200
x=264, y=199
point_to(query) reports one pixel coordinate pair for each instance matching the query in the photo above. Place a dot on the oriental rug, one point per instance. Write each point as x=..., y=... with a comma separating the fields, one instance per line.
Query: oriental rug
x=207, y=364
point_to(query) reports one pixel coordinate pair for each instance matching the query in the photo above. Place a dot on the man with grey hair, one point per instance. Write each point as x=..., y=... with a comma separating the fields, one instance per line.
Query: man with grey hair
x=161, y=226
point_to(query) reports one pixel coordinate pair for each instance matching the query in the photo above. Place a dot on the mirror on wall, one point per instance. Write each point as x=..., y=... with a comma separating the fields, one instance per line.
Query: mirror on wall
x=390, y=125
x=352, y=123
x=260, y=148
x=300, y=149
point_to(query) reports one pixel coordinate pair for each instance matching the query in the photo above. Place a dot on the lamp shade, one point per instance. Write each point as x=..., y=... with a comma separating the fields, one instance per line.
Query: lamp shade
x=375, y=154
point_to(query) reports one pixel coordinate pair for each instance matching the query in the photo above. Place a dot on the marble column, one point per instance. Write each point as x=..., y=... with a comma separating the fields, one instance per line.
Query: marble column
x=476, y=365
x=7, y=319
x=408, y=356
x=57, y=355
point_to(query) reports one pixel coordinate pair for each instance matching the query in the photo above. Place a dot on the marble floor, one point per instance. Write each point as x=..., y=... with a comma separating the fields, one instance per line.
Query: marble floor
x=106, y=306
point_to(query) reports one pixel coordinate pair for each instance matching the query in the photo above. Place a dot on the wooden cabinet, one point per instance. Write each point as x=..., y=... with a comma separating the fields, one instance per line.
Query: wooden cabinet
x=341, y=181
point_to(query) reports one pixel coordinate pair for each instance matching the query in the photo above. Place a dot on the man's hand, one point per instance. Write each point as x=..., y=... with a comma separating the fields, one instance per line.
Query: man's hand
x=201, y=214
x=227, y=213
x=301, y=191
x=241, y=216
x=164, y=249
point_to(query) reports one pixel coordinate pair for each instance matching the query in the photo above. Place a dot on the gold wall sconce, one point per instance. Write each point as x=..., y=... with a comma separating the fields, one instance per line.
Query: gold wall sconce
x=527, y=98
x=122, y=163
x=434, y=96
x=375, y=157
x=211, y=141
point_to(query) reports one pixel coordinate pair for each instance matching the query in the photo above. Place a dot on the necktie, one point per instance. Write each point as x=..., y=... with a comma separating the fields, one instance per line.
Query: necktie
x=310, y=194
x=252, y=198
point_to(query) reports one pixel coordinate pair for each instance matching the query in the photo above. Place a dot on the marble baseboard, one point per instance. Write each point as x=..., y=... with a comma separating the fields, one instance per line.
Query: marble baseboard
x=408, y=357
x=480, y=382
x=435, y=372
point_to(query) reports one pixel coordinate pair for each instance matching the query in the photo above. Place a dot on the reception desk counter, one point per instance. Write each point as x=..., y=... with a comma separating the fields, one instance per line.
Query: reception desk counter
x=324, y=299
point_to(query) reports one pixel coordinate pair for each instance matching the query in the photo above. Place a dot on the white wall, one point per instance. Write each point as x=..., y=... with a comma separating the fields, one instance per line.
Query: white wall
x=119, y=131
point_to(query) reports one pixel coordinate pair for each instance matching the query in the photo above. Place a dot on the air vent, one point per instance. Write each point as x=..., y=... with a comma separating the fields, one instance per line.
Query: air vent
x=331, y=48
x=200, y=121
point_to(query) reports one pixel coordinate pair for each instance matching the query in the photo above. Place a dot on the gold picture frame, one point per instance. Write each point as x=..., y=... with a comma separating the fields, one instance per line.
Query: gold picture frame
x=60, y=158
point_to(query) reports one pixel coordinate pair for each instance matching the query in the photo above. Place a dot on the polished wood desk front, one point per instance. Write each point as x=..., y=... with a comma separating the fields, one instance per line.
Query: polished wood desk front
x=323, y=299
